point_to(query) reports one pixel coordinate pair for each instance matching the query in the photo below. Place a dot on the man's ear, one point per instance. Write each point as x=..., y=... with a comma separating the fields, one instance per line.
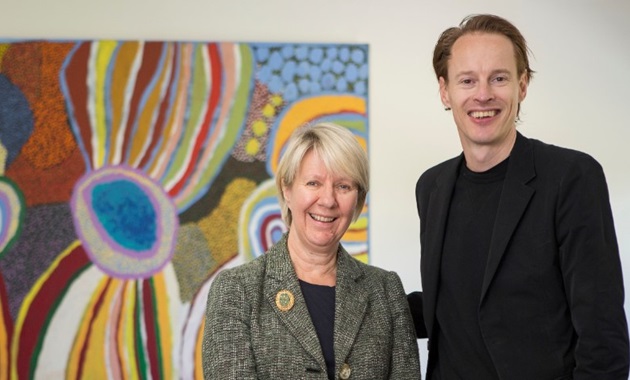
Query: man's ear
x=444, y=93
x=523, y=83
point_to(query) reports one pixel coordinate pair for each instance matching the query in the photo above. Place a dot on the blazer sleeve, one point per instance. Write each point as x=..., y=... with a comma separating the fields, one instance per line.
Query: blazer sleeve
x=405, y=357
x=226, y=348
x=591, y=269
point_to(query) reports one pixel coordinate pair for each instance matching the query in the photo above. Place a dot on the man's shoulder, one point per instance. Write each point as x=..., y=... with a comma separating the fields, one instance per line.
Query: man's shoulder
x=551, y=155
x=430, y=175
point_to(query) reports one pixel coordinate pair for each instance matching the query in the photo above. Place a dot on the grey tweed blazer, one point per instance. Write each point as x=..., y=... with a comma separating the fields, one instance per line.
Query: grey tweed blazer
x=247, y=336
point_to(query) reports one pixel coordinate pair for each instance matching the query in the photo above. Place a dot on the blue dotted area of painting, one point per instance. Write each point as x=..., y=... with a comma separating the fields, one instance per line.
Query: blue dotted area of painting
x=301, y=70
x=126, y=213
x=16, y=118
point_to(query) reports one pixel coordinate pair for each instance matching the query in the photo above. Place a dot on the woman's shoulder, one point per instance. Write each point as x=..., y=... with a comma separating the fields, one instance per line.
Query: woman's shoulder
x=374, y=273
x=245, y=273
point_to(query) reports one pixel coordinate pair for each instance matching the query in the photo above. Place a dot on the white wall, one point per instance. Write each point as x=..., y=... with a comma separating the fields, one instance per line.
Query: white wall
x=579, y=96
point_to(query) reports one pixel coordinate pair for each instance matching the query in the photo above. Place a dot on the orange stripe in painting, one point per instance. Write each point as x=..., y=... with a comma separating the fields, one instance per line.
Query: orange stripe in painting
x=145, y=128
x=150, y=58
x=164, y=323
x=308, y=109
x=198, y=352
x=76, y=76
x=125, y=58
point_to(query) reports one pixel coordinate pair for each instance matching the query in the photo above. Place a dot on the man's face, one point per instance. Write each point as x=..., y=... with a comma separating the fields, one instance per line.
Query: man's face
x=483, y=90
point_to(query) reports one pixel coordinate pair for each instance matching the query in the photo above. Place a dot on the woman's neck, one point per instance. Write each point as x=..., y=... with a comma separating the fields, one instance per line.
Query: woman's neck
x=313, y=267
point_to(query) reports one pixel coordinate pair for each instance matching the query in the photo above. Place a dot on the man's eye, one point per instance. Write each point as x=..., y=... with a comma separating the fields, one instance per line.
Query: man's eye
x=500, y=79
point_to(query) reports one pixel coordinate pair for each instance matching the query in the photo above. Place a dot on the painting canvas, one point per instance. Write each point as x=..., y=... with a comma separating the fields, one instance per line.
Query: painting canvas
x=132, y=172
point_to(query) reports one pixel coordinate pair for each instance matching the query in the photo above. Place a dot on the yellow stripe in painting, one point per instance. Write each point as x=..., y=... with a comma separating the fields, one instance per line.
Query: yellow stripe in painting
x=26, y=305
x=149, y=111
x=198, y=351
x=4, y=342
x=126, y=334
x=102, y=60
x=83, y=332
x=94, y=365
x=120, y=78
x=362, y=257
x=307, y=110
x=3, y=49
x=164, y=324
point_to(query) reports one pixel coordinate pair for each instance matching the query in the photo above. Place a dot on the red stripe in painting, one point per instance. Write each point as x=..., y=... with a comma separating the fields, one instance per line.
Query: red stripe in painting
x=215, y=91
x=8, y=323
x=166, y=105
x=95, y=311
x=43, y=307
x=148, y=70
x=76, y=76
x=151, y=329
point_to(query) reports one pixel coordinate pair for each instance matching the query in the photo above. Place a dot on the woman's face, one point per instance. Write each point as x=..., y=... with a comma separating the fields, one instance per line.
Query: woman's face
x=322, y=205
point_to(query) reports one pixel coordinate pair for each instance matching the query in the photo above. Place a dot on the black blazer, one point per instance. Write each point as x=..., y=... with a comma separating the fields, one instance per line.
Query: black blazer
x=552, y=296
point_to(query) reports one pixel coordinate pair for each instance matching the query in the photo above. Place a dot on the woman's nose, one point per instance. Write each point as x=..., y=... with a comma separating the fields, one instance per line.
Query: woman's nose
x=327, y=196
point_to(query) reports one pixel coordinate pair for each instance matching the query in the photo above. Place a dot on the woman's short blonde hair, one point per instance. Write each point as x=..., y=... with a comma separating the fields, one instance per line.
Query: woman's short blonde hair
x=338, y=148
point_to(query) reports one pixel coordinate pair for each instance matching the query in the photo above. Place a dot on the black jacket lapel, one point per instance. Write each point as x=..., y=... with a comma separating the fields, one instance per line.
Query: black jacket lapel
x=515, y=197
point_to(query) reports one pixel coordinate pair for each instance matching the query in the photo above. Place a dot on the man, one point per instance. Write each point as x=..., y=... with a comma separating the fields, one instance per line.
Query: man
x=520, y=266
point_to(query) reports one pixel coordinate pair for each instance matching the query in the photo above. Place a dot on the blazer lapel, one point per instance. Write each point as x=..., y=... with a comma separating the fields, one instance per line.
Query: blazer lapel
x=515, y=197
x=437, y=213
x=281, y=276
x=351, y=301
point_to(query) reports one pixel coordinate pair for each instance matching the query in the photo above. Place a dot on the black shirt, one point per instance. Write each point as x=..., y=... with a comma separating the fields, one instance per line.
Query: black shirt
x=462, y=353
x=320, y=302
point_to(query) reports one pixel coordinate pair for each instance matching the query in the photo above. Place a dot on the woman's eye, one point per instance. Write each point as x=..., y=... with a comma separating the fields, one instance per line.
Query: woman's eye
x=344, y=188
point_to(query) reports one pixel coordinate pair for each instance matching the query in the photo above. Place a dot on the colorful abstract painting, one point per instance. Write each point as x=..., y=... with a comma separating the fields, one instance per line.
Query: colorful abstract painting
x=131, y=172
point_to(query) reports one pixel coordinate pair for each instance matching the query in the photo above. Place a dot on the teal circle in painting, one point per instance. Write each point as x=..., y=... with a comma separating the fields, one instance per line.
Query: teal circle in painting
x=125, y=220
x=126, y=213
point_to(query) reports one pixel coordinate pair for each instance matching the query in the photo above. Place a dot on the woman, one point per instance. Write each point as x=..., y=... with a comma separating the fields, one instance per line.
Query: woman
x=307, y=309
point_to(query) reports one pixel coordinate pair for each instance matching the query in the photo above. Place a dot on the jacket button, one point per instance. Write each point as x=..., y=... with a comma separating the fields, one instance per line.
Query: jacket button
x=344, y=372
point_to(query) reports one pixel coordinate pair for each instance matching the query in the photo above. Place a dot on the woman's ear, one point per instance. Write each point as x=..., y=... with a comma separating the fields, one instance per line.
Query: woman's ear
x=286, y=193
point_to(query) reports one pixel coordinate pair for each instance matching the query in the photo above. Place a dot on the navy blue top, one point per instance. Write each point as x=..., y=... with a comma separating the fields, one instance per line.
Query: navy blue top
x=320, y=302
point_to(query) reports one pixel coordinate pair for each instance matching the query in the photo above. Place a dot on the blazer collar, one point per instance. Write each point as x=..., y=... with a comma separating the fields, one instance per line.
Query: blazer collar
x=351, y=304
x=437, y=212
x=515, y=197
x=350, y=301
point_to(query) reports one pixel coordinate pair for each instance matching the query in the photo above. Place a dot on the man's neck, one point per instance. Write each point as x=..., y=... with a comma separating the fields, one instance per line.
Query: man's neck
x=480, y=158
